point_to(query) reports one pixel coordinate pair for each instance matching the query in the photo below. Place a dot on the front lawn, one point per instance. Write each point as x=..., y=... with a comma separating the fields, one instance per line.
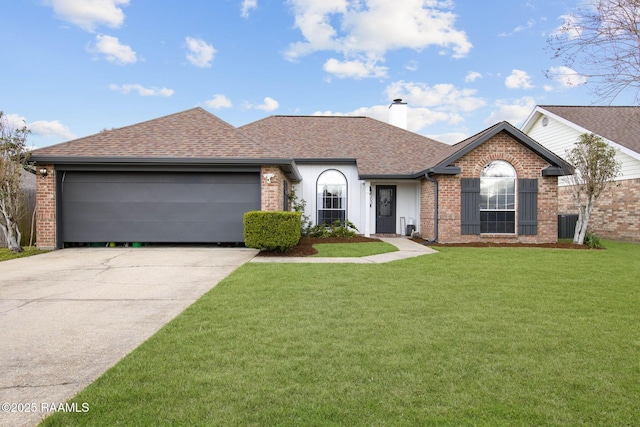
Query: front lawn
x=467, y=336
x=6, y=254
x=352, y=249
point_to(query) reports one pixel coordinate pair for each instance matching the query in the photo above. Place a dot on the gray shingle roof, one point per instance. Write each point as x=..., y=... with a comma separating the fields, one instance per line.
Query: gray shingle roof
x=379, y=149
x=193, y=133
x=618, y=124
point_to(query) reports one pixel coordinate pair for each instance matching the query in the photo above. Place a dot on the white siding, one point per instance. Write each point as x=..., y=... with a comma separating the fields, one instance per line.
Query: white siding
x=407, y=196
x=306, y=190
x=559, y=138
x=407, y=203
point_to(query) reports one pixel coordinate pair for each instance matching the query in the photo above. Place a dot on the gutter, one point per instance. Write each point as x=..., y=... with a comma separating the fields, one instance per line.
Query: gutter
x=435, y=210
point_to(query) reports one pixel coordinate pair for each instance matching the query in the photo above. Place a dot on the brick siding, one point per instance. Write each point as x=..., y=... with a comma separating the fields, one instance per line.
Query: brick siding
x=46, y=208
x=527, y=165
x=272, y=193
x=616, y=214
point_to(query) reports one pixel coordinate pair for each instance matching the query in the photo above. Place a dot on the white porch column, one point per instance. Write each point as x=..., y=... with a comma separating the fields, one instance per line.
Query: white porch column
x=367, y=209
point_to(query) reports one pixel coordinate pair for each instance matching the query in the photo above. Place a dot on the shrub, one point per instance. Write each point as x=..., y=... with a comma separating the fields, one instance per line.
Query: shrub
x=299, y=205
x=337, y=229
x=272, y=231
x=592, y=240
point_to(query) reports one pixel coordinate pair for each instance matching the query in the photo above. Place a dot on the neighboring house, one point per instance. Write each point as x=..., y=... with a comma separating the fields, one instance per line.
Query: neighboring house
x=617, y=213
x=189, y=177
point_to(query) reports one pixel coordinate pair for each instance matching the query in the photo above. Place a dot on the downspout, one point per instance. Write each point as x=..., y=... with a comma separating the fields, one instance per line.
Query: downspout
x=435, y=210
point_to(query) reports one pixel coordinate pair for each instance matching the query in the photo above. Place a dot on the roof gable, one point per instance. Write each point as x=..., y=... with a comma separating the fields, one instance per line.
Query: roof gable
x=189, y=134
x=443, y=165
x=378, y=148
x=619, y=125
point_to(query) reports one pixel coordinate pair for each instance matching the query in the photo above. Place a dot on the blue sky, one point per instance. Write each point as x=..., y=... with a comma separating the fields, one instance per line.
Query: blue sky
x=71, y=68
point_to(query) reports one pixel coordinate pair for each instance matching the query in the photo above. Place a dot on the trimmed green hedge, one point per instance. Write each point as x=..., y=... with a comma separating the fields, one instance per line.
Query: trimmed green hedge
x=272, y=230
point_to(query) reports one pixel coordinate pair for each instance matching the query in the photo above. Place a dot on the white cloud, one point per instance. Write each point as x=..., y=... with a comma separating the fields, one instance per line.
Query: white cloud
x=268, y=104
x=113, y=50
x=88, y=14
x=370, y=28
x=49, y=129
x=412, y=66
x=566, y=77
x=514, y=112
x=472, y=76
x=530, y=23
x=571, y=27
x=41, y=128
x=444, y=97
x=355, y=69
x=247, y=5
x=218, y=101
x=200, y=53
x=417, y=118
x=14, y=121
x=142, y=91
x=518, y=79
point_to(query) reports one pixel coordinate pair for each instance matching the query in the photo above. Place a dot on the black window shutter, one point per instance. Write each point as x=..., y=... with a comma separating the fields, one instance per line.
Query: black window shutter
x=470, y=206
x=528, y=207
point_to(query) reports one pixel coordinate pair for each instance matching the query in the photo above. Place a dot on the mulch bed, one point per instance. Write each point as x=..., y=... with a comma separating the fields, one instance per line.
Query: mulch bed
x=305, y=246
x=559, y=245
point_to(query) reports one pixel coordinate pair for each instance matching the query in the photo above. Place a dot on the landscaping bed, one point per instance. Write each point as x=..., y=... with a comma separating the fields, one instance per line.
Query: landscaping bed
x=557, y=245
x=305, y=246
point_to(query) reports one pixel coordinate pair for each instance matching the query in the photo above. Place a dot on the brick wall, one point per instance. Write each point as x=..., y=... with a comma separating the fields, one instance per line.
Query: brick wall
x=427, y=191
x=273, y=192
x=46, y=208
x=527, y=165
x=616, y=214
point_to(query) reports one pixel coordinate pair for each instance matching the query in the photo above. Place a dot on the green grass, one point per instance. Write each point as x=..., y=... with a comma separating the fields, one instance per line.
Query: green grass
x=6, y=254
x=353, y=249
x=468, y=336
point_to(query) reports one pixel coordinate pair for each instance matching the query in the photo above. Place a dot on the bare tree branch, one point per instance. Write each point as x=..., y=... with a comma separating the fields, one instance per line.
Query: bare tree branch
x=602, y=43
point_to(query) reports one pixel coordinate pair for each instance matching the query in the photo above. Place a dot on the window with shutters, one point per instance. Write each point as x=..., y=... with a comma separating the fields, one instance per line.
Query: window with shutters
x=498, y=198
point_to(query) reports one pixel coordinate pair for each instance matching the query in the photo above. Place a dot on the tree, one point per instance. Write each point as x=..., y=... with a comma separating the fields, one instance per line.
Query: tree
x=13, y=160
x=595, y=169
x=602, y=43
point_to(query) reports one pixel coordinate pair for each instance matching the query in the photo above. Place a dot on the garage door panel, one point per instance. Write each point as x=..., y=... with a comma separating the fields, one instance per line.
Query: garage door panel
x=157, y=207
x=153, y=192
x=179, y=232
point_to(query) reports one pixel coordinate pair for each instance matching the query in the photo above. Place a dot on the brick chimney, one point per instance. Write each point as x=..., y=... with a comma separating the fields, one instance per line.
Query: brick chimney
x=398, y=113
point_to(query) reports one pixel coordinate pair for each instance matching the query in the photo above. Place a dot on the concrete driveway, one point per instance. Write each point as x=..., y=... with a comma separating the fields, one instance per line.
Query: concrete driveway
x=69, y=315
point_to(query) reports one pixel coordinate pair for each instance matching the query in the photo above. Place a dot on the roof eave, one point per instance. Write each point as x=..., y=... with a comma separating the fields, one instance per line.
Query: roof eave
x=370, y=177
x=287, y=165
x=442, y=170
x=556, y=171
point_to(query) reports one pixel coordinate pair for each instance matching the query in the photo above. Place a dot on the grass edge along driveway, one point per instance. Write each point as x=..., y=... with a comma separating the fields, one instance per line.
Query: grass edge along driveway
x=469, y=336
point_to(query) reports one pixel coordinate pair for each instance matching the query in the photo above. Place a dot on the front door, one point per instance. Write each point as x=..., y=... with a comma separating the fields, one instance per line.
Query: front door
x=385, y=209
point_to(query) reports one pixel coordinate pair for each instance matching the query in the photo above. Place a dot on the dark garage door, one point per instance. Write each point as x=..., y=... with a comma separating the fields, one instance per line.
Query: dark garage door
x=171, y=207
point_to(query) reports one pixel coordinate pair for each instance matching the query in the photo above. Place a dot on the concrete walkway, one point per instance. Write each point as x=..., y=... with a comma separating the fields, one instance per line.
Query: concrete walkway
x=406, y=249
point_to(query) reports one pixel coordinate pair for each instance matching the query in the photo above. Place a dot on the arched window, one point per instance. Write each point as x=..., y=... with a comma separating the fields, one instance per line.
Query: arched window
x=498, y=198
x=332, y=197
